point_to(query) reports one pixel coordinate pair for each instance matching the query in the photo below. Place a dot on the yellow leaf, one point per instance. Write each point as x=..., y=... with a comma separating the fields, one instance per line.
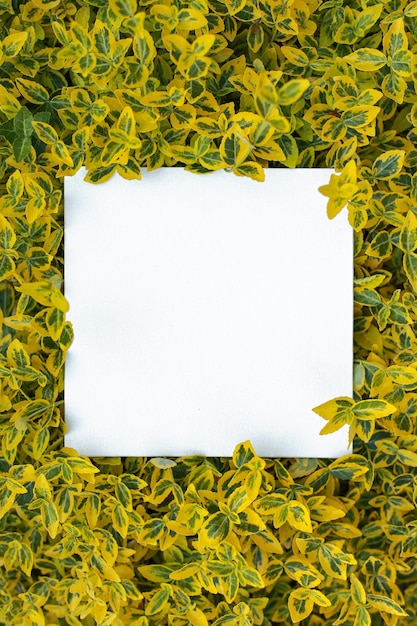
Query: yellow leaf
x=300, y=604
x=45, y=293
x=367, y=59
x=7, y=234
x=331, y=408
x=12, y=44
x=9, y=105
x=202, y=44
x=340, y=189
x=299, y=516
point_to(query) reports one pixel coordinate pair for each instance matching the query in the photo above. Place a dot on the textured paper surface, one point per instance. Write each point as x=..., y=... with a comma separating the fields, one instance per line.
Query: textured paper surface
x=207, y=310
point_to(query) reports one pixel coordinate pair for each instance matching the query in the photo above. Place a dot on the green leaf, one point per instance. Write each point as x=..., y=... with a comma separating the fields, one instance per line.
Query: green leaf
x=65, y=501
x=60, y=150
x=22, y=124
x=50, y=518
x=250, y=576
x=292, y=91
x=357, y=590
x=40, y=442
x=407, y=457
x=8, y=492
x=388, y=165
x=411, y=9
x=152, y=531
x=408, y=236
x=380, y=246
x=55, y=320
x=255, y=37
x=252, y=170
x=300, y=604
x=31, y=409
x=334, y=561
x=299, y=516
x=368, y=17
x=32, y=91
x=120, y=519
x=191, y=19
x=410, y=267
x=45, y=132
x=7, y=234
x=402, y=62
x=366, y=59
x=362, y=617
x=349, y=467
x=156, y=573
x=7, y=267
x=234, y=147
x=359, y=116
x=220, y=568
x=100, y=174
x=395, y=39
x=368, y=297
x=394, y=86
x=159, y=601
x=289, y=147
x=333, y=130
x=12, y=44
x=215, y=529
x=7, y=131
x=373, y=409
x=300, y=569
x=92, y=509
x=296, y=56
x=25, y=559
x=17, y=355
x=21, y=148
x=81, y=466
x=45, y=293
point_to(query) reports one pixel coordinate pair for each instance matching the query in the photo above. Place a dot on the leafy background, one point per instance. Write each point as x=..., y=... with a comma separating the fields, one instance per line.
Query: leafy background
x=117, y=85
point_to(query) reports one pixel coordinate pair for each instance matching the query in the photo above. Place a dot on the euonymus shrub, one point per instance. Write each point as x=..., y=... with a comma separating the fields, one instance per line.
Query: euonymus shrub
x=119, y=85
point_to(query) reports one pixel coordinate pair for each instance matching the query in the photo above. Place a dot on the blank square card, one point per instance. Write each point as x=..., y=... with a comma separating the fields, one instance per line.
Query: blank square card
x=207, y=310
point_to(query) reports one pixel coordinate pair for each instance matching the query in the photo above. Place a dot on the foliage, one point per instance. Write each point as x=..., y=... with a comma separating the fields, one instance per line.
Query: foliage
x=117, y=85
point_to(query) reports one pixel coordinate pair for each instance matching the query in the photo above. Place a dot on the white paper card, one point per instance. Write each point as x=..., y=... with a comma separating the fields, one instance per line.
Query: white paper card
x=207, y=310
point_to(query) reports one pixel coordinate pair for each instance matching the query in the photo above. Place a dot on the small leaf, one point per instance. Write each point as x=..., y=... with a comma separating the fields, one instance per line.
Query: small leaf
x=410, y=267
x=366, y=59
x=32, y=91
x=45, y=132
x=123, y=8
x=357, y=590
x=7, y=234
x=251, y=169
x=45, y=293
x=299, y=517
x=12, y=44
x=334, y=561
x=292, y=91
x=408, y=236
x=373, y=409
x=159, y=601
x=300, y=605
x=388, y=165
x=25, y=559
x=235, y=147
x=214, y=530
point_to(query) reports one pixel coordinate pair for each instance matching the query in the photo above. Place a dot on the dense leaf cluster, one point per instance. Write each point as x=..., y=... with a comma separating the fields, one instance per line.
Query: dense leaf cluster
x=118, y=85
